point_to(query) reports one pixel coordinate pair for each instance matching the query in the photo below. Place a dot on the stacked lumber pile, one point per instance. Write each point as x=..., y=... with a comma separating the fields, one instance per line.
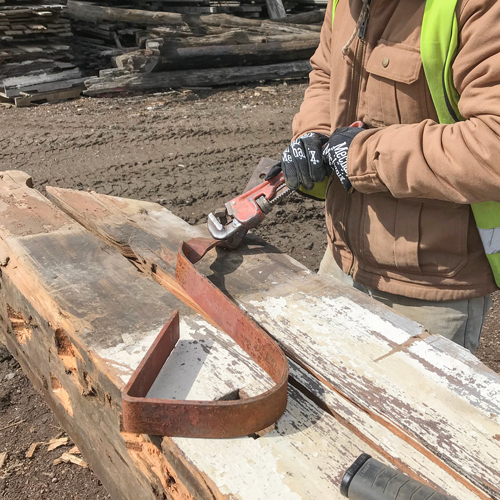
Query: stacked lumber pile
x=47, y=50
x=35, y=59
x=168, y=49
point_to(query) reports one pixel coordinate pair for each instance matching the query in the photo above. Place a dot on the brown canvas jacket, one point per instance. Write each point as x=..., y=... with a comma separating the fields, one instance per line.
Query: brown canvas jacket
x=408, y=228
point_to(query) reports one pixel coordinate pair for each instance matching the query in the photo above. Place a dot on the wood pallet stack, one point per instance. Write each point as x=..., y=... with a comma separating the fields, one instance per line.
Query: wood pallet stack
x=177, y=50
x=35, y=58
x=95, y=44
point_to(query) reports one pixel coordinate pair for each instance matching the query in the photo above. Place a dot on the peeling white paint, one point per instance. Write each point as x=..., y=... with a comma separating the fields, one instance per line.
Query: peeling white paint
x=303, y=459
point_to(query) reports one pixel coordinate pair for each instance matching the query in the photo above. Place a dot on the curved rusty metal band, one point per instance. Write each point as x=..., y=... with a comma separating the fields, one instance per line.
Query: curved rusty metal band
x=206, y=419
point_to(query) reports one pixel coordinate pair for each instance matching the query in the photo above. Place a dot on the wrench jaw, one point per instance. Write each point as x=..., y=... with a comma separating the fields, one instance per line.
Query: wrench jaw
x=245, y=212
x=231, y=233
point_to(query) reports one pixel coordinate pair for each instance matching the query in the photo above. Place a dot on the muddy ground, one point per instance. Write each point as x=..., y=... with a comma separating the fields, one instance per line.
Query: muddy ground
x=187, y=150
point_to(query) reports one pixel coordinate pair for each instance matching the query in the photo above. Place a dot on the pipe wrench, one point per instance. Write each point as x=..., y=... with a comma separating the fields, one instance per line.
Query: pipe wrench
x=248, y=210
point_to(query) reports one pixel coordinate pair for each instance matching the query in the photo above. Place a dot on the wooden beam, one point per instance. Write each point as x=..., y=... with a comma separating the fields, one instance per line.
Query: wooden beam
x=418, y=387
x=217, y=56
x=196, y=78
x=95, y=13
x=12, y=86
x=86, y=11
x=93, y=315
x=60, y=278
x=56, y=95
x=309, y=17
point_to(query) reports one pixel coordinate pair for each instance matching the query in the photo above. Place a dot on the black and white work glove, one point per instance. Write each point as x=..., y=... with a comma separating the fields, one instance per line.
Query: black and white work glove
x=335, y=153
x=302, y=162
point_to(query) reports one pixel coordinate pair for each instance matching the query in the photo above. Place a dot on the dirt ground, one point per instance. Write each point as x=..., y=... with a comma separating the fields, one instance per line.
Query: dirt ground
x=189, y=151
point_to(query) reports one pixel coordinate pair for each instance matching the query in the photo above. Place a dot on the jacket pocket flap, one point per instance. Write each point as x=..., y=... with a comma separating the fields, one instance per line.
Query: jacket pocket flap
x=401, y=63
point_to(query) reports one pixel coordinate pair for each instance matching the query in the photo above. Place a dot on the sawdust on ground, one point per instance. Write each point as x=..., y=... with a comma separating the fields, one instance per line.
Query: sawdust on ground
x=189, y=151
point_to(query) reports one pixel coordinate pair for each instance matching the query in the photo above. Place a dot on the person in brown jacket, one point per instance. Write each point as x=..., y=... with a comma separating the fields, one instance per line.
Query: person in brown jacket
x=398, y=216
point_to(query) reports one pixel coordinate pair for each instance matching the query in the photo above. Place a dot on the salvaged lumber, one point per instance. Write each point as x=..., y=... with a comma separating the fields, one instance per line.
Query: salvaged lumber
x=63, y=94
x=91, y=317
x=54, y=42
x=85, y=11
x=219, y=56
x=160, y=41
x=94, y=290
x=108, y=82
x=434, y=392
x=309, y=17
x=13, y=86
x=35, y=43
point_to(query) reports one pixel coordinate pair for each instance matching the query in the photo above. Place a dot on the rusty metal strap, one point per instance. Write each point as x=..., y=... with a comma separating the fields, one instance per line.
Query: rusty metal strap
x=206, y=419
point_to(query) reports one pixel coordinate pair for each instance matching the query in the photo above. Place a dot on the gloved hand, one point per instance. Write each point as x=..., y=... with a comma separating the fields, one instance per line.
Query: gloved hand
x=302, y=163
x=335, y=153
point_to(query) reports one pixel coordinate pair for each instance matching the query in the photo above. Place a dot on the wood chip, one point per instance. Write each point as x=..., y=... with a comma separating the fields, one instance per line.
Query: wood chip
x=74, y=451
x=31, y=450
x=67, y=457
x=56, y=443
x=3, y=458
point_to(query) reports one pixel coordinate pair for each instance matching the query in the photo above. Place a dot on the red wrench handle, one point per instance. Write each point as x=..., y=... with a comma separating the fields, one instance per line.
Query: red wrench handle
x=245, y=208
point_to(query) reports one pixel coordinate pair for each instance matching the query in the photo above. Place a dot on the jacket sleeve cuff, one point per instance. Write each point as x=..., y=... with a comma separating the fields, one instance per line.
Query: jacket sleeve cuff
x=361, y=168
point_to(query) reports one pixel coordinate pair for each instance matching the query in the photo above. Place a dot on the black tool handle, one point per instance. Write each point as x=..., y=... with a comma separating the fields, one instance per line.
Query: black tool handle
x=369, y=479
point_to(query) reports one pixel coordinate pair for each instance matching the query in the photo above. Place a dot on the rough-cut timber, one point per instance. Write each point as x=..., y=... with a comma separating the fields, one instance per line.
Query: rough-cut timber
x=435, y=396
x=94, y=305
x=92, y=316
x=89, y=12
x=195, y=78
x=220, y=56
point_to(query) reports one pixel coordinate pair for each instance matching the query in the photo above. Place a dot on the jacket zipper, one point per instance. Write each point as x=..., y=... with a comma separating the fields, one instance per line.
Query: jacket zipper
x=358, y=62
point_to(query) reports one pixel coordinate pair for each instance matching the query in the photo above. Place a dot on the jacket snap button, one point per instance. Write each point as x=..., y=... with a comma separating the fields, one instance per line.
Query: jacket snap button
x=385, y=62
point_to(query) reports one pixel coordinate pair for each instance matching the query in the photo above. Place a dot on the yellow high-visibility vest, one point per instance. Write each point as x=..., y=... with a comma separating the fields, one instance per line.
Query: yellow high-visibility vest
x=439, y=42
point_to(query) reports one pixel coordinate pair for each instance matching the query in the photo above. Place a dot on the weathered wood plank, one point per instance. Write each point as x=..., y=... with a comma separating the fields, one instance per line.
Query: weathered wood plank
x=95, y=315
x=308, y=17
x=217, y=56
x=423, y=389
x=51, y=96
x=82, y=388
x=98, y=13
x=197, y=78
x=12, y=86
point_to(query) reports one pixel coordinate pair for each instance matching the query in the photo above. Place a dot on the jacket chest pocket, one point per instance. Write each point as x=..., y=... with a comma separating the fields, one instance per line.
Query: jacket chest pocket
x=396, y=91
